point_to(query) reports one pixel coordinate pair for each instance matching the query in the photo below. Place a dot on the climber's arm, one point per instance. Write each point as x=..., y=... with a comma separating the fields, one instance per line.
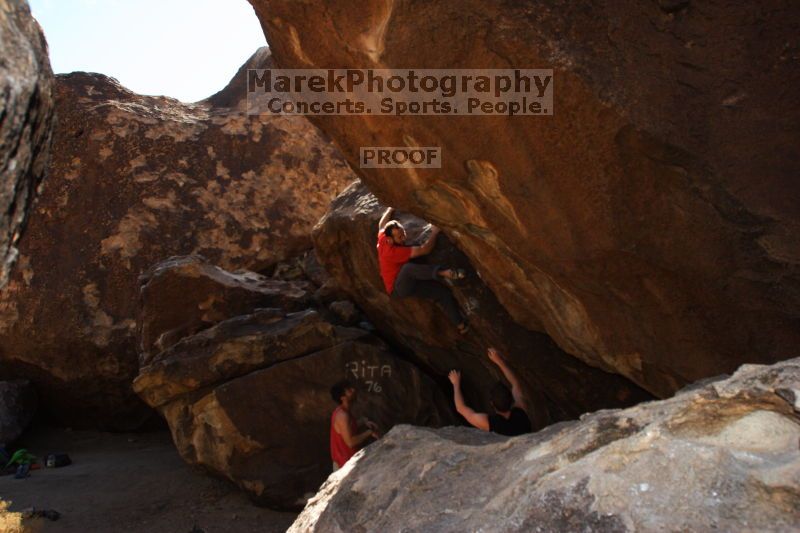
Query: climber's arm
x=387, y=216
x=516, y=388
x=342, y=426
x=479, y=420
x=427, y=246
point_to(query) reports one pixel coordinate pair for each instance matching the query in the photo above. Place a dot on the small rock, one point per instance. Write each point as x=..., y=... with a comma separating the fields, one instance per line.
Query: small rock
x=346, y=311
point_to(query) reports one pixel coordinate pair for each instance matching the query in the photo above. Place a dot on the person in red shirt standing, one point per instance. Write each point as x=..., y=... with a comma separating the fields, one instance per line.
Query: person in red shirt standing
x=403, y=278
x=345, y=438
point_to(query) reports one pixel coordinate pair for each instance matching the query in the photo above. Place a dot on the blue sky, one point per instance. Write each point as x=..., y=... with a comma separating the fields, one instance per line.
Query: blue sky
x=187, y=49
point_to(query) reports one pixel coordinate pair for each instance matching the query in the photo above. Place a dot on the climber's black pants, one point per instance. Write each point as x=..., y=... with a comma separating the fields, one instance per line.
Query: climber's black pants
x=421, y=281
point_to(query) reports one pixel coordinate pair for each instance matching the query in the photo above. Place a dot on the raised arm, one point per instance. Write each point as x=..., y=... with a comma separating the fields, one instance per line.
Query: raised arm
x=342, y=425
x=516, y=389
x=479, y=420
x=427, y=246
x=387, y=216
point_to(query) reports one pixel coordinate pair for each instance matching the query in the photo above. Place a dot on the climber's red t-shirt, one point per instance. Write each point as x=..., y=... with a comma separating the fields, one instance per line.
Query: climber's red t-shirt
x=340, y=451
x=391, y=259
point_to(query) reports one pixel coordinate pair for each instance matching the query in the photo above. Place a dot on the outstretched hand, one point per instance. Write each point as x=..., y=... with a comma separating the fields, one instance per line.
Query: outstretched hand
x=455, y=377
x=494, y=356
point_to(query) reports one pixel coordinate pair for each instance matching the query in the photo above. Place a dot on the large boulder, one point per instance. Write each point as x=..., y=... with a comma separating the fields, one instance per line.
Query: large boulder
x=186, y=294
x=18, y=402
x=249, y=397
x=557, y=385
x=26, y=108
x=134, y=180
x=650, y=225
x=723, y=457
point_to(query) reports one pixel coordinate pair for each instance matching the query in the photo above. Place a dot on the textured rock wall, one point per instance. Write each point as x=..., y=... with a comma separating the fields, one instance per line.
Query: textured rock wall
x=650, y=225
x=26, y=117
x=134, y=180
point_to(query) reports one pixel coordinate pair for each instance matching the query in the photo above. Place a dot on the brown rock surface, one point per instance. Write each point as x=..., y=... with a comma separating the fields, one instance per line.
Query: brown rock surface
x=557, y=385
x=134, y=180
x=650, y=225
x=248, y=398
x=720, y=458
x=185, y=294
x=26, y=117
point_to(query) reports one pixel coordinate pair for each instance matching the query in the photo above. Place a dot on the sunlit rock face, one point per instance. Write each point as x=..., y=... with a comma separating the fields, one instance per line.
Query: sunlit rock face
x=650, y=226
x=26, y=121
x=248, y=398
x=557, y=385
x=134, y=180
x=723, y=457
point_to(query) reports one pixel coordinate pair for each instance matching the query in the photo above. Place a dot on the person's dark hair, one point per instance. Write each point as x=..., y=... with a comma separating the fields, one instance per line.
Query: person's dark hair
x=338, y=390
x=501, y=397
x=391, y=226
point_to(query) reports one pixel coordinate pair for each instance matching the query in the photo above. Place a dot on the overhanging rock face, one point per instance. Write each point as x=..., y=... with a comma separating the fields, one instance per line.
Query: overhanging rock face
x=723, y=457
x=650, y=225
x=556, y=385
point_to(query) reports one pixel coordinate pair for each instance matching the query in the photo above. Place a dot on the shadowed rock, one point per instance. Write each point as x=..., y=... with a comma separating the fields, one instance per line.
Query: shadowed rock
x=18, y=402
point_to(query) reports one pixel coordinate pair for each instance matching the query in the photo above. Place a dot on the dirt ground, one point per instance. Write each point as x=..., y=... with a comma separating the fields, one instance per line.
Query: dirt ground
x=126, y=483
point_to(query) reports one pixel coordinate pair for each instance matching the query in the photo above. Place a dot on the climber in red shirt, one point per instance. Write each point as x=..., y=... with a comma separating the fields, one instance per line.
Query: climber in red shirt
x=403, y=278
x=345, y=438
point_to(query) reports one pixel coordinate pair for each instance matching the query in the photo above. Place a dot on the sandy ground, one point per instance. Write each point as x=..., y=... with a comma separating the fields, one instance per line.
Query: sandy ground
x=127, y=483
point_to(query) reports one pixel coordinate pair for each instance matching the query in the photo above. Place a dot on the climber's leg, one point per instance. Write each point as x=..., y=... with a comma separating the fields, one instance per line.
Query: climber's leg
x=431, y=290
x=422, y=281
x=411, y=274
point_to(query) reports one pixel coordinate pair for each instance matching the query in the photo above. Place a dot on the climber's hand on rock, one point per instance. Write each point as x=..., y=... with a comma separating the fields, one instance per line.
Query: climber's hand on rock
x=435, y=230
x=455, y=377
x=371, y=425
x=494, y=356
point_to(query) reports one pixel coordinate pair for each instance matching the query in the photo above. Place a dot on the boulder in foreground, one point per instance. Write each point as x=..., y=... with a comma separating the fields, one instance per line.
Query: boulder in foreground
x=723, y=457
